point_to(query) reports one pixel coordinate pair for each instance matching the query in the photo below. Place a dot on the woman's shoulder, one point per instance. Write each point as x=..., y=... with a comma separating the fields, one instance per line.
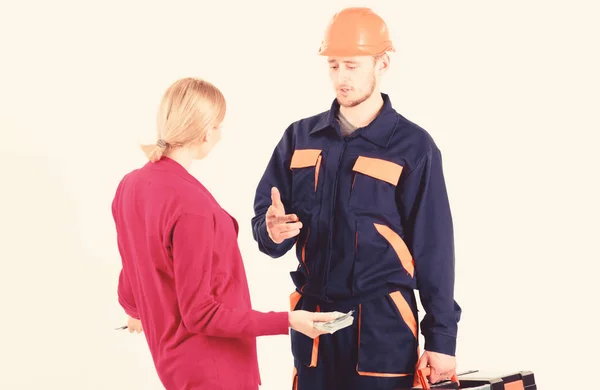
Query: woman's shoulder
x=194, y=198
x=177, y=193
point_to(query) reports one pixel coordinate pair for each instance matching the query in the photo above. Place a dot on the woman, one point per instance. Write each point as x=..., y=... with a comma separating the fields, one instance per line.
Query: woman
x=183, y=277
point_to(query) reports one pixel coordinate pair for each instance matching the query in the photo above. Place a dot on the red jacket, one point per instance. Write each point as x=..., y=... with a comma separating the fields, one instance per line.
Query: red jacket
x=184, y=278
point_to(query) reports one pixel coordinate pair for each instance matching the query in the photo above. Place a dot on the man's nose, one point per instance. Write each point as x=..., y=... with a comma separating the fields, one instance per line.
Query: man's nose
x=343, y=75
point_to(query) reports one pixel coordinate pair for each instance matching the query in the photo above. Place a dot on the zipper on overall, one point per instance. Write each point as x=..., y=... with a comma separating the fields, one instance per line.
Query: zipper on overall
x=332, y=219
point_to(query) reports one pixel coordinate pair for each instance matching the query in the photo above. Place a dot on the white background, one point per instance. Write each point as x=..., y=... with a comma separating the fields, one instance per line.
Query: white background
x=509, y=91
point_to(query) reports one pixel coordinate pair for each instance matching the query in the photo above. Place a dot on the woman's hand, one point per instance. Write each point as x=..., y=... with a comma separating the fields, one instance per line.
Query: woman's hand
x=134, y=325
x=303, y=322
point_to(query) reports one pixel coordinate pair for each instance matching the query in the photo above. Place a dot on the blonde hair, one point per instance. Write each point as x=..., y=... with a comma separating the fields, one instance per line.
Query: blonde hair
x=188, y=108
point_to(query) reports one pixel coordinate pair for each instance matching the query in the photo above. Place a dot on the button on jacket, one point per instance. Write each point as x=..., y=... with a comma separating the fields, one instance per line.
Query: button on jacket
x=375, y=214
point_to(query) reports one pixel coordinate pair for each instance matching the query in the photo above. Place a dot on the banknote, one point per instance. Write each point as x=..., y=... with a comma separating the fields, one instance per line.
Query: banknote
x=342, y=320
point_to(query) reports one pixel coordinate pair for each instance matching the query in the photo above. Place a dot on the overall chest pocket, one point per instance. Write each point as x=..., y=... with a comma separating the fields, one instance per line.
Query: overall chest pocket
x=374, y=185
x=305, y=166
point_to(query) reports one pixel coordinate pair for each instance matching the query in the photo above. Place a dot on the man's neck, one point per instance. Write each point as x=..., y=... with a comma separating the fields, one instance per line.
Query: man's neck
x=365, y=112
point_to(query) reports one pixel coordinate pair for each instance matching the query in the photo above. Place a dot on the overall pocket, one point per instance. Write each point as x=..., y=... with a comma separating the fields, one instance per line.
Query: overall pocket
x=306, y=167
x=399, y=247
x=387, y=336
x=301, y=249
x=380, y=253
x=304, y=349
x=374, y=185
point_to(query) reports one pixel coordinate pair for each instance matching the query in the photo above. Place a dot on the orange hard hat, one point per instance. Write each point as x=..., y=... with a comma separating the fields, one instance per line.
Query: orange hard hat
x=356, y=31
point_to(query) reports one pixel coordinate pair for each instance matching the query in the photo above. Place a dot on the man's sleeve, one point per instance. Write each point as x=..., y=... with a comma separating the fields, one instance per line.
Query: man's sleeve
x=194, y=251
x=429, y=233
x=125, y=296
x=277, y=174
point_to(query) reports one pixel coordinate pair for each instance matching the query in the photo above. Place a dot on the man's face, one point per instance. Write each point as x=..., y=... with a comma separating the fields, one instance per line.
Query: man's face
x=353, y=78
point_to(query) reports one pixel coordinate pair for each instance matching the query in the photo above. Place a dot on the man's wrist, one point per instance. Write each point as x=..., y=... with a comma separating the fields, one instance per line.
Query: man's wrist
x=266, y=237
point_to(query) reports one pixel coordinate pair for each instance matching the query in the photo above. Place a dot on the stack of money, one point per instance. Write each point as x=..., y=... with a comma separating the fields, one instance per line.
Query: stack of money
x=342, y=320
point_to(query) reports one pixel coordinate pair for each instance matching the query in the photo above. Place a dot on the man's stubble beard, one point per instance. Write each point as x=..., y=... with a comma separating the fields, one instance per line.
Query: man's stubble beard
x=356, y=102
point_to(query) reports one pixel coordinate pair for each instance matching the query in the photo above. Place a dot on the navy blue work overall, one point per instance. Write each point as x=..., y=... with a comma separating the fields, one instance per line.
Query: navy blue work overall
x=376, y=226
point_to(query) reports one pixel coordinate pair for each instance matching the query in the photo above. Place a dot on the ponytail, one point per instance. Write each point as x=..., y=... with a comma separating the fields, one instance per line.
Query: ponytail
x=155, y=152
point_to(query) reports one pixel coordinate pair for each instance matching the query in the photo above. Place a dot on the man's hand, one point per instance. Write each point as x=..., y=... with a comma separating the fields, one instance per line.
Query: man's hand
x=442, y=366
x=134, y=325
x=279, y=225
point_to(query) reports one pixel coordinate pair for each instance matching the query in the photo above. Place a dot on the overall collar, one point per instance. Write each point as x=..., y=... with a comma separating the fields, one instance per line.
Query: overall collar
x=379, y=131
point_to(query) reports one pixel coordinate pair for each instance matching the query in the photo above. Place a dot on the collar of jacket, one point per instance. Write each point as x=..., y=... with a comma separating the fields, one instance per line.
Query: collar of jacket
x=169, y=165
x=379, y=131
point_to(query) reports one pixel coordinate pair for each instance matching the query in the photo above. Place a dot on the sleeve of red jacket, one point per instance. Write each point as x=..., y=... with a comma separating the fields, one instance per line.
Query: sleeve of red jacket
x=277, y=174
x=193, y=250
x=429, y=234
x=125, y=296
x=124, y=291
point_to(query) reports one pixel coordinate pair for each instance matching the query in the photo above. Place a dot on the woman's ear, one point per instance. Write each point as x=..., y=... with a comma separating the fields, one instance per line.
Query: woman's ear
x=207, y=136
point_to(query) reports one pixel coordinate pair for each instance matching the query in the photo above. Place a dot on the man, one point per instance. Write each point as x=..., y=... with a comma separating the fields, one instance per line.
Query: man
x=370, y=218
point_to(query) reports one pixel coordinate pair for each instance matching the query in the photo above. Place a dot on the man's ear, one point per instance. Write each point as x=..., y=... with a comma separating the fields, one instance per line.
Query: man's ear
x=384, y=62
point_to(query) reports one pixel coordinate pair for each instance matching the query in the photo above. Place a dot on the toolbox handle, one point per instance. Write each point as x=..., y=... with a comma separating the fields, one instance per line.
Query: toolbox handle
x=423, y=373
